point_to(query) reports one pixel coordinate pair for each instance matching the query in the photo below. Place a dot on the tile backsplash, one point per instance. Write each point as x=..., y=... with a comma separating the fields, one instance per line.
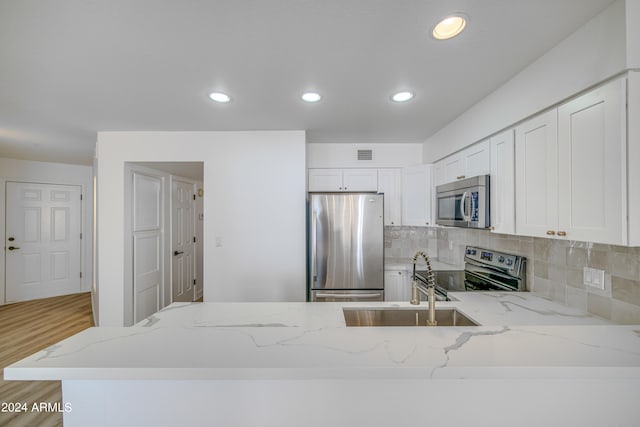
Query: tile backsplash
x=554, y=267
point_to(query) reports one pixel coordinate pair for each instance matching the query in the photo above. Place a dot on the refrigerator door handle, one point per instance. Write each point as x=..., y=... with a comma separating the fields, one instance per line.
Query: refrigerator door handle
x=314, y=250
x=350, y=296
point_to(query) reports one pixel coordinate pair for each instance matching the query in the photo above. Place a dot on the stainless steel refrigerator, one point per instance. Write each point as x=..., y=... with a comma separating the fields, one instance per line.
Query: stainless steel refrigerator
x=346, y=247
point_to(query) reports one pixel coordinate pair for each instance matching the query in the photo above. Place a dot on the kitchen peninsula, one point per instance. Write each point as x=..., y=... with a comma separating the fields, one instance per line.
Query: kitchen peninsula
x=532, y=362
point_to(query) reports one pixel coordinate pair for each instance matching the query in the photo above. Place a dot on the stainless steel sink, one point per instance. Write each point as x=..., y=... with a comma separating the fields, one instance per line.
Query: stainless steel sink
x=355, y=316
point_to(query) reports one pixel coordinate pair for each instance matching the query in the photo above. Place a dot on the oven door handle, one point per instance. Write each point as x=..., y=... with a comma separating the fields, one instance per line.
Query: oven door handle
x=492, y=282
x=463, y=206
x=345, y=296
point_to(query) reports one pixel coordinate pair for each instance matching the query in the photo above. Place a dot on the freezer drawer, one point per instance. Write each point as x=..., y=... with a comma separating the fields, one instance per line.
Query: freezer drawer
x=345, y=296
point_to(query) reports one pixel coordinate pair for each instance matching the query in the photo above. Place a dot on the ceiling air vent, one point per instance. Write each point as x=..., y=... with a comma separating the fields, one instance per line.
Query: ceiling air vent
x=365, y=154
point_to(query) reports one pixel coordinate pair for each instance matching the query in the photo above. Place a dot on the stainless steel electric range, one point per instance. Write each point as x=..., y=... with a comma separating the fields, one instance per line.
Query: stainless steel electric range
x=484, y=270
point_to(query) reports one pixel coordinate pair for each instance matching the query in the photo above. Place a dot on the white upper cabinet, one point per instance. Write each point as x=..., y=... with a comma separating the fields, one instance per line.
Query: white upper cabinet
x=416, y=195
x=571, y=169
x=472, y=161
x=390, y=184
x=502, y=183
x=592, y=175
x=452, y=168
x=537, y=175
x=343, y=180
x=476, y=159
x=360, y=179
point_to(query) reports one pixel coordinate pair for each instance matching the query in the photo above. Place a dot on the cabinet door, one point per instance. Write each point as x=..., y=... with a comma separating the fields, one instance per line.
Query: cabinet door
x=360, y=180
x=477, y=159
x=438, y=173
x=537, y=176
x=397, y=286
x=416, y=195
x=325, y=179
x=633, y=157
x=453, y=168
x=390, y=184
x=502, y=183
x=592, y=166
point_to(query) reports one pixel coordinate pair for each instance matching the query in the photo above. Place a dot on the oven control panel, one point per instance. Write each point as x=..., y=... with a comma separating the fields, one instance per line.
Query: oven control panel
x=492, y=258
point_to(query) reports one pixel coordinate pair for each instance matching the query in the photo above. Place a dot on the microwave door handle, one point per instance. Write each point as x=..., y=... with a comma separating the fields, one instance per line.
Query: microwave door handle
x=472, y=208
x=463, y=205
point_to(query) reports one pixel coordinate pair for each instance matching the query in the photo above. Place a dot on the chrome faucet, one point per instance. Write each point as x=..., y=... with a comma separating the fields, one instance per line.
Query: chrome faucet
x=430, y=292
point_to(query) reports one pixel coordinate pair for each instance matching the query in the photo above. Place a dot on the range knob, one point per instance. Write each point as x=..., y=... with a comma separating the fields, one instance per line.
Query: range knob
x=509, y=261
x=500, y=258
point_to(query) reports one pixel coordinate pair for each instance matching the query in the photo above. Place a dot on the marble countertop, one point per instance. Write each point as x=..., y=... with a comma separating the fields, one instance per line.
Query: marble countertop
x=522, y=336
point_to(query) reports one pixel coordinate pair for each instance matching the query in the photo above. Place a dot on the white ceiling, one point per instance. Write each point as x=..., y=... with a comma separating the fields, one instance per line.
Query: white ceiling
x=71, y=68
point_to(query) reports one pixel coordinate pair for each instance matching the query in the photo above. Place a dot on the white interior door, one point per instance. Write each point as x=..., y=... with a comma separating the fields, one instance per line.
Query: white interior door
x=147, y=227
x=183, y=234
x=42, y=248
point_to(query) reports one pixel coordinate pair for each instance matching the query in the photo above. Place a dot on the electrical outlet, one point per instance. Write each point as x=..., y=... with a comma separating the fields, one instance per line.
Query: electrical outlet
x=594, y=278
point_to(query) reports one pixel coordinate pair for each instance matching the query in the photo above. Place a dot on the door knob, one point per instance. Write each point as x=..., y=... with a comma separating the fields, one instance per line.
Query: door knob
x=12, y=248
x=176, y=253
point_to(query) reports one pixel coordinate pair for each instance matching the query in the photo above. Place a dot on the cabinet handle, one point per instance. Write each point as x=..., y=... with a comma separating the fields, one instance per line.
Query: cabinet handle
x=551, y=233
x=460, y=176
x=339, y=188
x=562, y=233
x=13, y=248
x=392, y=223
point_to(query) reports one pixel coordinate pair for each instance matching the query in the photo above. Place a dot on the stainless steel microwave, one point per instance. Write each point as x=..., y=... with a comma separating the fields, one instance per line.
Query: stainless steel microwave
x=464, y=203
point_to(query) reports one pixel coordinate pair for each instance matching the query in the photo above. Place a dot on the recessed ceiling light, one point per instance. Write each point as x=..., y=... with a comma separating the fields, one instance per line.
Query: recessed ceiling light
x=219, y=97
x=311, y=97
x=402, y=96
x=450, y=26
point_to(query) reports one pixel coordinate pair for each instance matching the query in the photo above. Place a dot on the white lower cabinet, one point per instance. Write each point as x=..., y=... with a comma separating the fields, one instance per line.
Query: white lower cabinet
x=571, y=169
x=397, y=285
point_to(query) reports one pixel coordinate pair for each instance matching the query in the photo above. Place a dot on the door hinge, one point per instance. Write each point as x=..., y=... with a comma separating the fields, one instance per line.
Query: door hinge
x=194, y=239
x=194, y=281
x=194, y=197
x=80, y=196
x=81, y=274
x=80, y=236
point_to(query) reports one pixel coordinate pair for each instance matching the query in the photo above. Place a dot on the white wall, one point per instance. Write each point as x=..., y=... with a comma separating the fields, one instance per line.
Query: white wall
x=633, y=33
x=345, y=155
x=254, y=211
x=593, y=53
x=52, y=173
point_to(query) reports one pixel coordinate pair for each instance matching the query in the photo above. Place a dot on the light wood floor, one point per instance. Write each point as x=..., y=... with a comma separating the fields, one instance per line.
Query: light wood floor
x=28, y=327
